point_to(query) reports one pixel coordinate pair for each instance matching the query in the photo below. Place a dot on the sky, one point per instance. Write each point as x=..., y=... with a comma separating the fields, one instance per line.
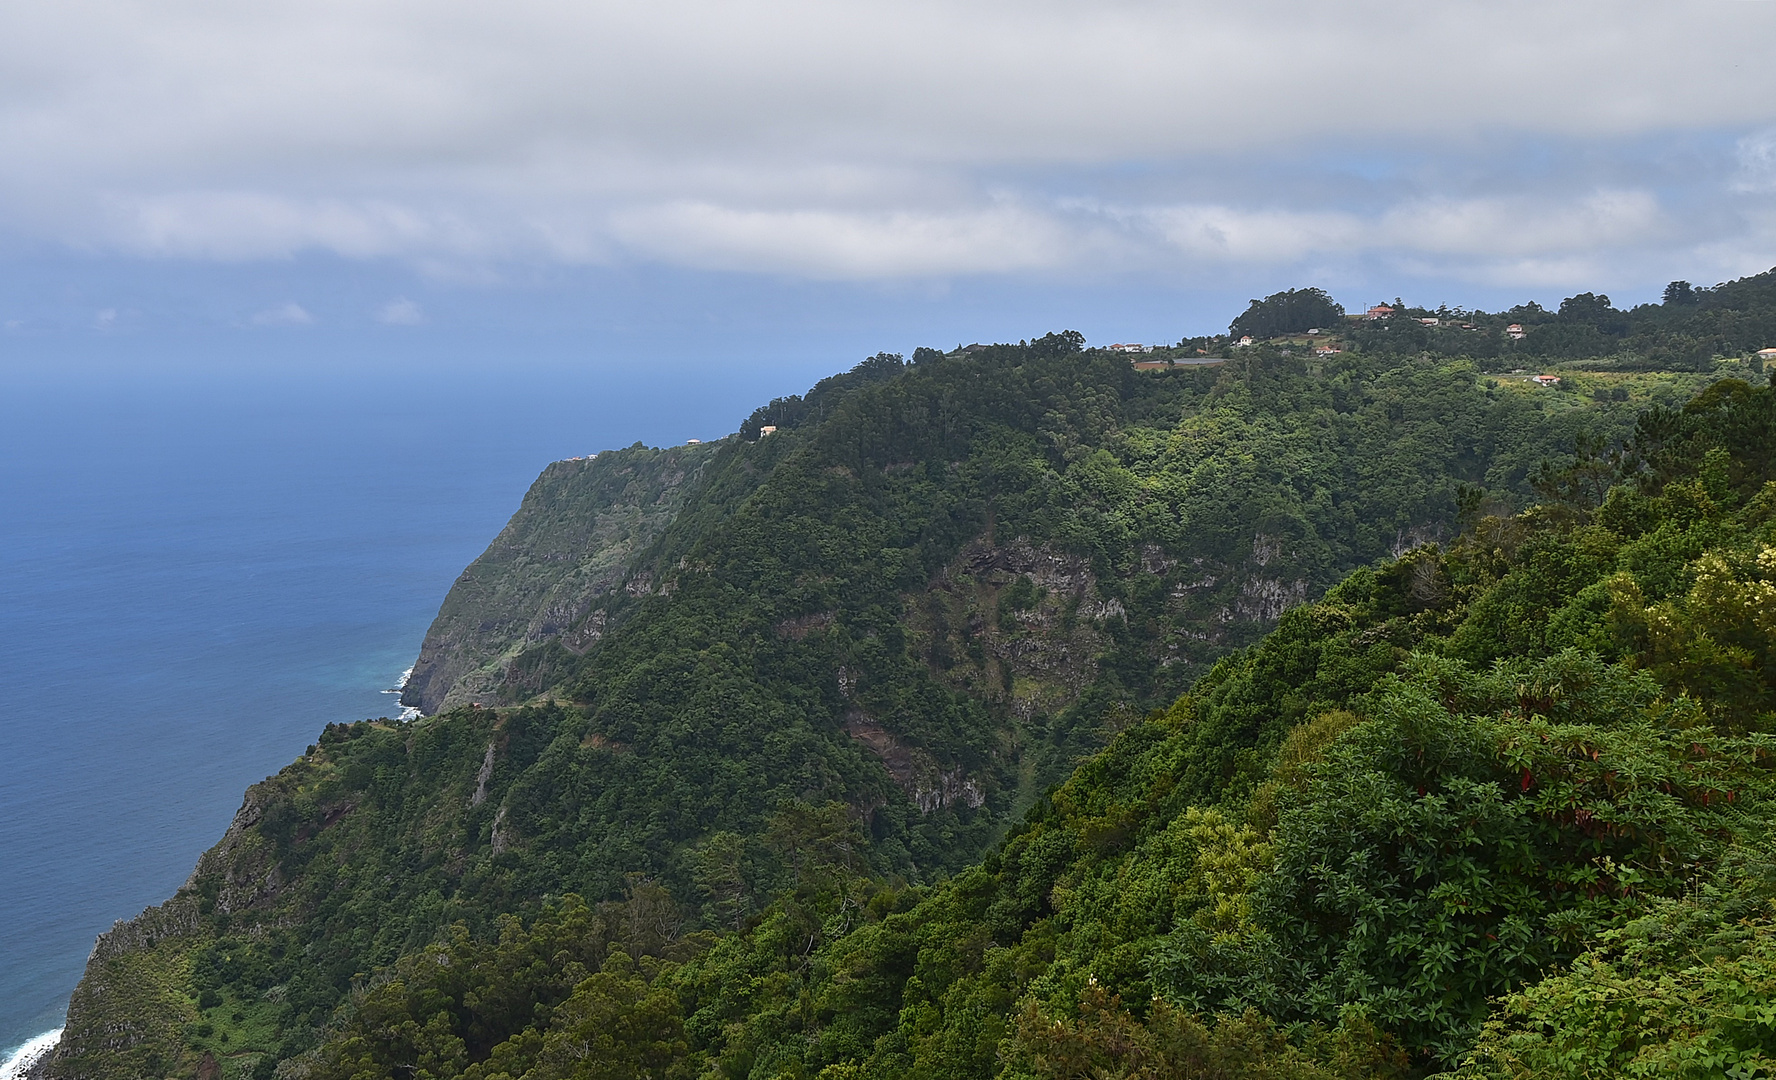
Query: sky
x=762, y=180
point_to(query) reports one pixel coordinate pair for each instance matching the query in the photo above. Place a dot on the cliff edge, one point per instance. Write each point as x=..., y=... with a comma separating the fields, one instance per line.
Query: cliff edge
x=572, y=540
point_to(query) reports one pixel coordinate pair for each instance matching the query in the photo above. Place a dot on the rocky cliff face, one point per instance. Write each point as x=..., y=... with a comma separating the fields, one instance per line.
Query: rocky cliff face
x=128, y=1016
x=572, y=540
x=133, y=1013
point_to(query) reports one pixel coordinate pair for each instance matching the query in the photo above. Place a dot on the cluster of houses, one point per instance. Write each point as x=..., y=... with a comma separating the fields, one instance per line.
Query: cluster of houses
x=1514, y=331
x=1386, y=311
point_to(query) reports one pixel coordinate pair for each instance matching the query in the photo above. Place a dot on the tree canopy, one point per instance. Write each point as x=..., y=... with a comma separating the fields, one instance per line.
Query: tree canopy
x=1288, y=312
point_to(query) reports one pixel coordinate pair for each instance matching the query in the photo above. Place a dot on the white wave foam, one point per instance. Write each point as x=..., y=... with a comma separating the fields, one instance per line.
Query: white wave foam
x=29, y=1054
x=402, y=684
x=408, y=712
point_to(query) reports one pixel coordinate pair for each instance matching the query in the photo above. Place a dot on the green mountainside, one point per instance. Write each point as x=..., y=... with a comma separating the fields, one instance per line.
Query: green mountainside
x=1018, y=712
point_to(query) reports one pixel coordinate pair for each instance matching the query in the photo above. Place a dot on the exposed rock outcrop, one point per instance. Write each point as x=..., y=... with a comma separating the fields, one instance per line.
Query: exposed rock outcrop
x=1017, y=623
x=130, y=1004
x=928, y=784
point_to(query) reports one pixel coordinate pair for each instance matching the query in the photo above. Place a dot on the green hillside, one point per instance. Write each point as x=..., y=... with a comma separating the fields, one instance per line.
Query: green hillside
x=1019, y=712
x=1533, y=765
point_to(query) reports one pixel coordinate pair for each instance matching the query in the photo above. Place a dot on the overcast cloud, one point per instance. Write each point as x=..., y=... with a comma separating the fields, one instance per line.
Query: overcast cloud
x=1504, y=143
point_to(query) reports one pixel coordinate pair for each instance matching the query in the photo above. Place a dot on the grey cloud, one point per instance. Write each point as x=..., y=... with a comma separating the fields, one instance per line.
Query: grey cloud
x=825, y=243
x=240, y=225
x=870, y=139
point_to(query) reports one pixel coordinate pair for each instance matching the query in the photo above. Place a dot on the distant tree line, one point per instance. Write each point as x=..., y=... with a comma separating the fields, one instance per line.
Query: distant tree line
x=1687, y=330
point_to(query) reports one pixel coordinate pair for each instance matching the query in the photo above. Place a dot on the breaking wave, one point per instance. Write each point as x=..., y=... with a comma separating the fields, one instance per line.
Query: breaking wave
x=401, y=684
x=29, y=1054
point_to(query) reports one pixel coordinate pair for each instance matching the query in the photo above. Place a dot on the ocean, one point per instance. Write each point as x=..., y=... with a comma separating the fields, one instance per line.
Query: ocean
x=202, y=567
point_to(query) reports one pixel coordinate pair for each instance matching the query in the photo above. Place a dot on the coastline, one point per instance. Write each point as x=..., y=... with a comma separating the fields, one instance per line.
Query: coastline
x=408, y=712
x=116, y=550
x=24, y=1060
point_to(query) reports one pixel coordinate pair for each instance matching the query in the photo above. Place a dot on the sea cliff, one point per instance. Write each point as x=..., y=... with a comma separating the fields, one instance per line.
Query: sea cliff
x=572, y=540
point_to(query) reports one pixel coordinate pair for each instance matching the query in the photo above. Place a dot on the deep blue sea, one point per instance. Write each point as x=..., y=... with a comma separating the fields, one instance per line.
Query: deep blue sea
x=200, y=568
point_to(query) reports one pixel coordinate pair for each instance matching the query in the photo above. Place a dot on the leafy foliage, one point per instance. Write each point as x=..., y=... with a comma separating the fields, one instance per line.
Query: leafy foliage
x=1107, y=1042
x=1685, y=990
x=1444, y=830
x=473, y=1009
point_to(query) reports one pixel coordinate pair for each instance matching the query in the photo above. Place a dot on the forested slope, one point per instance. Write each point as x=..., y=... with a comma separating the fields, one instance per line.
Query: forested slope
x=1501, y=808
x=835, y=663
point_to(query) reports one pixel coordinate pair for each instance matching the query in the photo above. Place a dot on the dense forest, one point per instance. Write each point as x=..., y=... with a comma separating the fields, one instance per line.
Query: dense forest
x=1015, y=712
